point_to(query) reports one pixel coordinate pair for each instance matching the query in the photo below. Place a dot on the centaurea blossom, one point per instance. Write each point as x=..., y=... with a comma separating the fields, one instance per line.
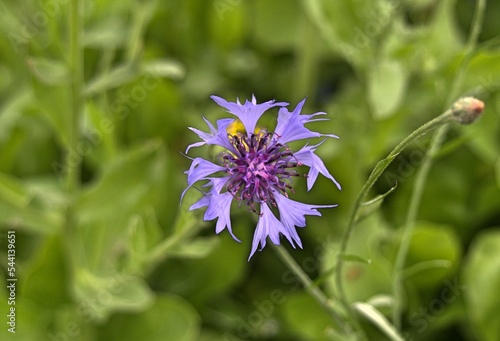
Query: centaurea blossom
x=257, y=168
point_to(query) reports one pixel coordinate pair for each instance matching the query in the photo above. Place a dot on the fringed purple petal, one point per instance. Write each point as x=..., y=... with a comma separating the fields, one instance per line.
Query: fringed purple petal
x=292, y=213
x=215, y=136
x=307, y=157
x=199, y=170
x=248, y=113
x=218, y=205
x=268, y=226
x=290, y=126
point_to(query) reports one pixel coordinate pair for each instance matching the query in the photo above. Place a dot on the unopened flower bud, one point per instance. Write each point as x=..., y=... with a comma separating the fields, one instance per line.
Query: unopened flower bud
x=466, y=110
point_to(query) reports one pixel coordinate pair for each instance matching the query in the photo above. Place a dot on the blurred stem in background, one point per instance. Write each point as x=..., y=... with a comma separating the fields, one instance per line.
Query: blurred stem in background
x=308, y=284
x=423, y=172
x=73, y=159
x=375, y=174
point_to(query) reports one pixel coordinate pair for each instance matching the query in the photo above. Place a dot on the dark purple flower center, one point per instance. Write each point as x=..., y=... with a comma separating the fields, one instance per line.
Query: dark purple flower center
x=259, y=167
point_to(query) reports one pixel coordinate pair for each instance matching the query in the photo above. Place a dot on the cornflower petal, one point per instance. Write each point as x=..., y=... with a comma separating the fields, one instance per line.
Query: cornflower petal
x=290, y=126
x=248, y=113
x=307, y=157
x=292, y=214
x=199, y=170
x=218, y=205
x=215, y=136
x=268, y=226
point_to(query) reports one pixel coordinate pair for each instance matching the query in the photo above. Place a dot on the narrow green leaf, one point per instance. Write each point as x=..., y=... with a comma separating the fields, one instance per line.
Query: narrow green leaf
x=356, y=259
x=164, y=68
x=432, y=264
x=55, y=103
x=106, y=34
x=379, y=320
x=49, y=71
x=14, y=191
x=11, y=110
x=17, y=207
x=144, y=233
x=117, y=77
x=381, y=300
x=196, y=248
x=104, y=295
x=379, y=198
x=435, y=251
x=370, y=206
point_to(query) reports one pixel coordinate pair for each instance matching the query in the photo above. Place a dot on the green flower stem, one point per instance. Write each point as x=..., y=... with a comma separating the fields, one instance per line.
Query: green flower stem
x=421, y=177
x=76, y=65
x=375, y=174
x=423, y=172
x=308, y=284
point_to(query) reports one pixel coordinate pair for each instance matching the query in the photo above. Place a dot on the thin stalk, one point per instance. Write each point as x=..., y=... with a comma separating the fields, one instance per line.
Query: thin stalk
x=423, y=172
x=76, y=68
x=375, y=174
x=73, y=160
x=308, y=284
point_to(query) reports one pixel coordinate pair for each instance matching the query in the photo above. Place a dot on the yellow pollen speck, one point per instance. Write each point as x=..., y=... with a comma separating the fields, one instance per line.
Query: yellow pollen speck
x=238, y=127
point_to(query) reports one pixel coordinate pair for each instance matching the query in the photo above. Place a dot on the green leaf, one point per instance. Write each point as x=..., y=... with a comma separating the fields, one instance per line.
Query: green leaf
x=170, y=318
x=164, y=68
x=55, y=104
x=46, y=278
x=386, y=87
x=316, y=324
x=11, y=111
x=356, y=259
x=372, y=205
x=17, y=207
x=227, y=261
x=124, y=187
x=370, y=242
x=378, y=319
x=433, y=255
x=482, y=280
x=427, y=265
x=196, y=248
x=117, y=77
x=106, y=34
x=14, y=191
x=48, y=71
x=102, y=295
x=145, y=232
x=381, y=300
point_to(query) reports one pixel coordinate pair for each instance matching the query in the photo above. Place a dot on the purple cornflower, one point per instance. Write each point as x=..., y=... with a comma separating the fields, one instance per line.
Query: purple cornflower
x=257, y=169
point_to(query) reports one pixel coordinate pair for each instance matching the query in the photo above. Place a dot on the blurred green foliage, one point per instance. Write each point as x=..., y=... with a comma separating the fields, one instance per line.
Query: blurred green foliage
x=144, y=267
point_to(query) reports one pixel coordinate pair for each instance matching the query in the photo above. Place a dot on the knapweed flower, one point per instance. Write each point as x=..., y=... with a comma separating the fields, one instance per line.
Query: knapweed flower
x=256, y=170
